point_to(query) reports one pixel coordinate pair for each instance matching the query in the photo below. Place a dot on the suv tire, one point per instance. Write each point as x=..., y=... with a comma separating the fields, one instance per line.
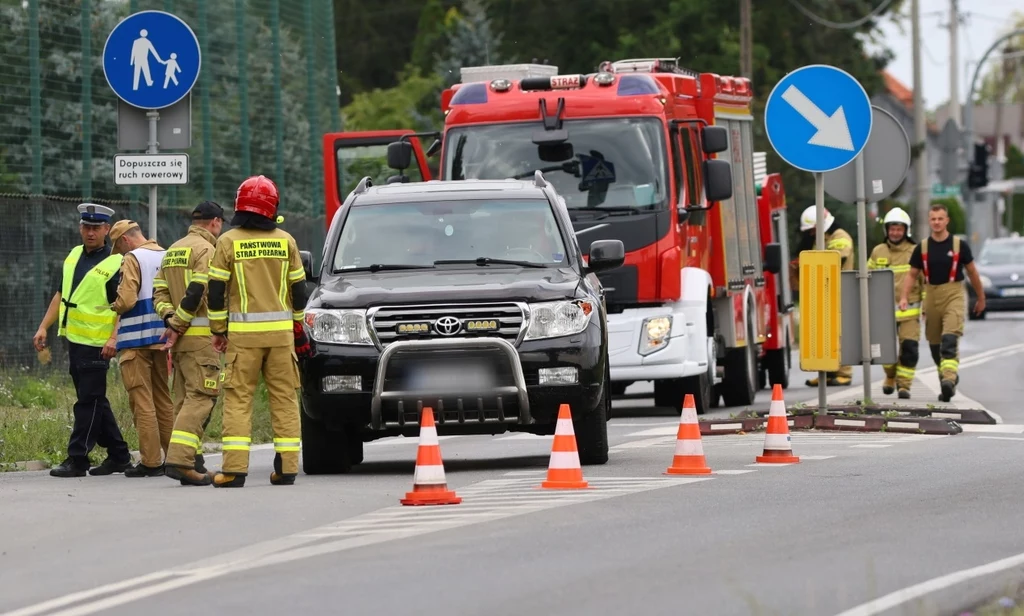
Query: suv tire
x=592, y=428
x=324, y=452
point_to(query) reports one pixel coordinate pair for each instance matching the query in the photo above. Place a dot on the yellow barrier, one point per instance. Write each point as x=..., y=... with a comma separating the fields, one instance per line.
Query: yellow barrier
x=820, y=316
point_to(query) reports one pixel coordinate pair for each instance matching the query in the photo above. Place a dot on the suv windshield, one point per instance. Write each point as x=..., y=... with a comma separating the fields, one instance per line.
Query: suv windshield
x=418, y=234
x=613, y=162
x=1002, y=253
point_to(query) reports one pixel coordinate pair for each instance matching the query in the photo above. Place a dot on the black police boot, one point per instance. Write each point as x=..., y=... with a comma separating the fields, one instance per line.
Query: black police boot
x=110, y=466
x=141, y=470
x=69, y=468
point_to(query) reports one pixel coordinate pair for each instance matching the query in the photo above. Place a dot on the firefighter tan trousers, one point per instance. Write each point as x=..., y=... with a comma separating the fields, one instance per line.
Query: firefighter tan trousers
x=944, y=306
x=144, y=374
x=197, y=382
x=908, y=334
x=242, y=370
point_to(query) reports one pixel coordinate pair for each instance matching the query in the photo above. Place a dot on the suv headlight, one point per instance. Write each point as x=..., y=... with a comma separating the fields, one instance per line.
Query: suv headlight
x=986, y=282
x=654, y=333
x=554, y=319
x=337, y=326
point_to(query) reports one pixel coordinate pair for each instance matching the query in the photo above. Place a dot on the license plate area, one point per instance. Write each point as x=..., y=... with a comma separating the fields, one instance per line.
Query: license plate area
x=448, y=371
x=1013, y=292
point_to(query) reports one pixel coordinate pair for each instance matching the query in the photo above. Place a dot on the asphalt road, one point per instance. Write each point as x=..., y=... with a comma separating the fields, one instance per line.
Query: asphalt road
x=862, y=516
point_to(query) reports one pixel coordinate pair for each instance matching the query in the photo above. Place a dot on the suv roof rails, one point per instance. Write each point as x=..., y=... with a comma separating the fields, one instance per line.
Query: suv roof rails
x=364, y=185
x=538, y=179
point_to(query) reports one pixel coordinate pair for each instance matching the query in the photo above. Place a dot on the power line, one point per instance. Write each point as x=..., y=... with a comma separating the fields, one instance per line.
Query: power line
x=847, y=25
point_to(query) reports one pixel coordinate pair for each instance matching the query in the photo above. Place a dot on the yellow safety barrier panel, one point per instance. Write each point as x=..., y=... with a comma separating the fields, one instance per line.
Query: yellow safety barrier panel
x=820, y=313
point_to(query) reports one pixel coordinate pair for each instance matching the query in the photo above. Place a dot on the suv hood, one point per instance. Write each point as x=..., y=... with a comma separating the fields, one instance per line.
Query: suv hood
x=494, y=283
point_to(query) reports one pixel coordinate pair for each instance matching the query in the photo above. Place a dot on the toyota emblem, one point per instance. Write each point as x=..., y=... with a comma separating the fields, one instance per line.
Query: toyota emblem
x=447, y=326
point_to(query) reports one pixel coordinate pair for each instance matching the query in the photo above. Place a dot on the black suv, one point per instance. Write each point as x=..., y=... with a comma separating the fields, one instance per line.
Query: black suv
x=470, y=297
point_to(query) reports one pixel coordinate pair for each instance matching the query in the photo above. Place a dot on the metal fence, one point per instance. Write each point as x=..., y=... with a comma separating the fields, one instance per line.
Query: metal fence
x=266, y=94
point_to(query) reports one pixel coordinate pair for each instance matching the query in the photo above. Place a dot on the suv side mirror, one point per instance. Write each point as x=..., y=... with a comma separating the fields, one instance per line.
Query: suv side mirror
x=606, y=255
x=715, y=139
x=773, y=258
x=307, y=264
x=399, y=155
x=717, y=180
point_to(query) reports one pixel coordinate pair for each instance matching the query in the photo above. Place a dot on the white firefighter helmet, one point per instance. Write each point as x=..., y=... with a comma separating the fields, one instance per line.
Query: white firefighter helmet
x=897, y=215
x=809, y=218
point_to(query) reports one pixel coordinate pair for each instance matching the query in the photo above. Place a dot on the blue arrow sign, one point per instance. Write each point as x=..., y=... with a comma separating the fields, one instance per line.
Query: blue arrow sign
x=818, y=118
x=151, y=59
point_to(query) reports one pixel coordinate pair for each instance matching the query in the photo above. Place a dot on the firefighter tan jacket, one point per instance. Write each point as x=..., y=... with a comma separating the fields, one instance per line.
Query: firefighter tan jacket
x=896, y=257
x=187, y=261
x=840, y=240
x=259, y=268
x=128, y=289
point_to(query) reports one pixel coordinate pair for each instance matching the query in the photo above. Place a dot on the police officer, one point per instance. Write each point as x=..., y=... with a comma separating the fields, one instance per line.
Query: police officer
x=894, y=254
x=88, y=274
x=835, y=239
x=257, y=298
x=141, y=357
x=943, y=259
x=180, y=295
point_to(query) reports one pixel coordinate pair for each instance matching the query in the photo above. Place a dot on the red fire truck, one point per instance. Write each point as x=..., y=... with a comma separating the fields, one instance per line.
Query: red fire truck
x=647, y=152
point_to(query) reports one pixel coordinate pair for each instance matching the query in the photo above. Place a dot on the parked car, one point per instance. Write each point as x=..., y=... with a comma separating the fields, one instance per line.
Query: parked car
x=1001, y=268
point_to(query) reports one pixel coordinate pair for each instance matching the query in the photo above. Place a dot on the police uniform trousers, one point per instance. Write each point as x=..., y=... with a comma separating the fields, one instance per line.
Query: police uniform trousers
x=94, y=422
x=196, y=382
x=945, y=306
x=145, y=376
x=242, y=370
x=903, y=371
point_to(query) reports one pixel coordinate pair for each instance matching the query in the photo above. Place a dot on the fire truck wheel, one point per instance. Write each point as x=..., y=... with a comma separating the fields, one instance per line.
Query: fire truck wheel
x=740, y=381
x=778, y=363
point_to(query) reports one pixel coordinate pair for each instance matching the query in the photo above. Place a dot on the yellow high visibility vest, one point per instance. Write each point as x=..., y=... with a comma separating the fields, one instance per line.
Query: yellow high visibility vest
x=80, y=320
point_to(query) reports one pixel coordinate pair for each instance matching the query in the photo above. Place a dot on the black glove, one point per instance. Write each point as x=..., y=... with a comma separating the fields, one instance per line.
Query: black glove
x=303, y=350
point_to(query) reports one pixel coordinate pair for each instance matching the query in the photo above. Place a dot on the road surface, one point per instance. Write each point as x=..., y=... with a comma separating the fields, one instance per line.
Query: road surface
x=861, y=517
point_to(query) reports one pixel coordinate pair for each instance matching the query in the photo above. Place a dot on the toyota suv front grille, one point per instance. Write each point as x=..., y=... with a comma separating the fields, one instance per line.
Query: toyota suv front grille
x=393, y=323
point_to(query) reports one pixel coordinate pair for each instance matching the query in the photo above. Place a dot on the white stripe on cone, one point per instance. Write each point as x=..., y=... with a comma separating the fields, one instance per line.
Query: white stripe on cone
x=778, y=408
x=777, y=442
x=429, y=475
x=428, y=436
x=689, y=416
x=565, y=460
x=564, y=427
x=688, y=447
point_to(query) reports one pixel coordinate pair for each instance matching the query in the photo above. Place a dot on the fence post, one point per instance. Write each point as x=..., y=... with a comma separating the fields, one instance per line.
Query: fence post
x=172, y=190
x=316, y=200
x=243, y=86
x=275, y=26
x=204, y=97
x=37, y=155
x=86, y=99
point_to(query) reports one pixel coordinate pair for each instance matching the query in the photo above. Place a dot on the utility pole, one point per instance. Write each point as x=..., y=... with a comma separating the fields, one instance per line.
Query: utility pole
x=954, y=62
x=746, y=41
x=920, y=136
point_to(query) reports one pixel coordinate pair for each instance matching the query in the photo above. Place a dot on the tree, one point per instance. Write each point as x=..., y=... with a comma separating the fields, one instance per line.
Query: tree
x=1002, y=82
x=472, y=41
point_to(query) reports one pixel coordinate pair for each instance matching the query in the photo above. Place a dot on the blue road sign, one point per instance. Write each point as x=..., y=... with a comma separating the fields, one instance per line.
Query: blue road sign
x=818, y=118
x=151, y=59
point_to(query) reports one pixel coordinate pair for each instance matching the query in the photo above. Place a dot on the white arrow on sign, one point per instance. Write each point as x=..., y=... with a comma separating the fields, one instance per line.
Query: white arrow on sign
x=833, y=132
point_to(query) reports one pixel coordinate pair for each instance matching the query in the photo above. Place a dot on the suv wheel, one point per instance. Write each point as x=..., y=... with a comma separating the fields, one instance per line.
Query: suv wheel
x=326, y=452
x=592, y=429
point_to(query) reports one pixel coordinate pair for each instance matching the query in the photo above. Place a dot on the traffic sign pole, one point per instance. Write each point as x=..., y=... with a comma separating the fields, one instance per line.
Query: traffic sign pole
x=862, y=258
x=819, y=202
x=154, y=148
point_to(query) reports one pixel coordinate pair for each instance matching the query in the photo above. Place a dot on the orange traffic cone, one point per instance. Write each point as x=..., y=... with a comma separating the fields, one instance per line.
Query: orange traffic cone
x=689, y=456
x=429, y=486
x=564, y=470
x=777, y=446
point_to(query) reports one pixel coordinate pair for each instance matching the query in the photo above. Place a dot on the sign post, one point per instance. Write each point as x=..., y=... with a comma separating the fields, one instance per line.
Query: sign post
x=151, y=61
x=818, y=118
x=877, y=171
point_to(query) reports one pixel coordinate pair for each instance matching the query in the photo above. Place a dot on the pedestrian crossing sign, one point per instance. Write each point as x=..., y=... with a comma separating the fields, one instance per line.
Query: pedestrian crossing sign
x=595, y=170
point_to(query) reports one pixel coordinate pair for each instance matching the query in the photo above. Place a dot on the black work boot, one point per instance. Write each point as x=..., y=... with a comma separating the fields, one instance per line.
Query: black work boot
x=110, y=466
x=948, y=391
x=141, y=470
x=278, y=477
x=188, y=476
x=200, y=464
x=904, y=394
x=69, y=468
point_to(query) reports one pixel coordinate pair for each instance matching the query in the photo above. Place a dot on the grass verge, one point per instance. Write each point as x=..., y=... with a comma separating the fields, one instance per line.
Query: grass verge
x=1011, y=603
x=36, y=417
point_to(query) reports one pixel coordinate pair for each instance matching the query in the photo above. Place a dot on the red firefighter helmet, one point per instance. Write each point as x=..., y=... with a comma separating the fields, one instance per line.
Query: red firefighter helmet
x=257, y=194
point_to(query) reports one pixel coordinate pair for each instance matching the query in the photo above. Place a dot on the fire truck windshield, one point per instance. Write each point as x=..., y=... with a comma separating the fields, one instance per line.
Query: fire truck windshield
x=606, y=163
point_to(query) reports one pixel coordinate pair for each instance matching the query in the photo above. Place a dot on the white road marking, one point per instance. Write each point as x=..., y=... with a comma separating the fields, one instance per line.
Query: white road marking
x=995, y=429
x=486, y=501
x=904, y=595
x=870, y=446
x=1002, y=438
x=733, y=472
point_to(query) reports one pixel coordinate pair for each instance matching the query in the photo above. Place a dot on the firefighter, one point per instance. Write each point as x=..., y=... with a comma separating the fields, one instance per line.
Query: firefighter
x=180, y=295
x=141, y=357
x=88, y=276
x=257, y=296
x=943, y=258
x=835, y=239
x=894, y=254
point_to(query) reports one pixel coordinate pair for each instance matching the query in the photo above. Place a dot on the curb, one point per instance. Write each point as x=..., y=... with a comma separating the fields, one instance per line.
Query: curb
x=848, y=418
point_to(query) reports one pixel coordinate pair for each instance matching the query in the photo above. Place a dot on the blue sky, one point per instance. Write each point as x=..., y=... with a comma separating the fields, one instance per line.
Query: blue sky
x=986, y=20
